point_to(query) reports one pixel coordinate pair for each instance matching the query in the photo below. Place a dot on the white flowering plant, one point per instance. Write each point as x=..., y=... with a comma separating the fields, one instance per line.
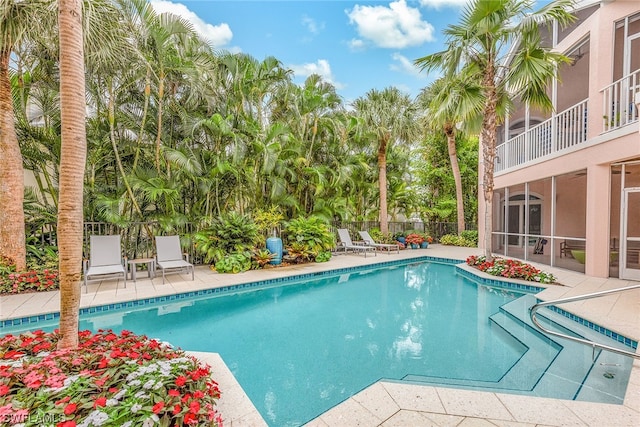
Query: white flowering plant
x=110, y=380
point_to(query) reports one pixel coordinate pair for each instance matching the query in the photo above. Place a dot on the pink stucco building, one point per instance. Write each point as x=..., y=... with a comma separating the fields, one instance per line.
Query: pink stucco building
x=567, y=183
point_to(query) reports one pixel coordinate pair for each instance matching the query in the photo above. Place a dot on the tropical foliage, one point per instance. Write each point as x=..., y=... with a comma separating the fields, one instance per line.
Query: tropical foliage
x=468, y=238
x=307, y=238
x=230, y=233
x=452, y=103
x=178, y=132
x=435, y=186
x=476, y=49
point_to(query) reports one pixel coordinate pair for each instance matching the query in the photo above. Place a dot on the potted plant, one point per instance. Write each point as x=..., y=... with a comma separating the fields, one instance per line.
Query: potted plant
x=400, y=237
x=414, y=239
x=427, y=239
x=268, y=221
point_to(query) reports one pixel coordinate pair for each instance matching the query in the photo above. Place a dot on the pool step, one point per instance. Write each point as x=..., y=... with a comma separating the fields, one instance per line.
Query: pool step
x=565, y=375
x=524, y=374
x=606, y=374
x=552, y=367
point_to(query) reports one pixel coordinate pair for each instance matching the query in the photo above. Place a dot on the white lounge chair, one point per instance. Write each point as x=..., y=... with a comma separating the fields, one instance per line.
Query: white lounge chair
x=368, y=240
x=105, y=260
x=169, y=257
x=346, y=243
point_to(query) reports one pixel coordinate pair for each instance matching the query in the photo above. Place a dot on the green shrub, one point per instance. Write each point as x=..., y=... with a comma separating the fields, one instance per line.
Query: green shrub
x=41, y=257
x=323, y=256
x=267, y=221
x=470, y=235
x=299, y=252
x=455, y=240
x=230, y=234
x=380, y=237
x=309, y=236
x=6, y=266
x=234, y=263
x=261, y=257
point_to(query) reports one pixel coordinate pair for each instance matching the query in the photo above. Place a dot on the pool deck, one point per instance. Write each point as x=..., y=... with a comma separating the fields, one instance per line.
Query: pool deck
x=390, y=403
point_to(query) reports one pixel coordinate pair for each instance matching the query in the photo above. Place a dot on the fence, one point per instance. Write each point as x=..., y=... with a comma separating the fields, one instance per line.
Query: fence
x=138, y=238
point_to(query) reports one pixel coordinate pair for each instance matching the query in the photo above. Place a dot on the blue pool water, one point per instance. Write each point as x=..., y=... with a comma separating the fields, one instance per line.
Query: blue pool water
x=301, y=348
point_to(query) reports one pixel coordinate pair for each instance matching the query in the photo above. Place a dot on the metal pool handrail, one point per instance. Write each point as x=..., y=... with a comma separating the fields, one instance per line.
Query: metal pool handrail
x=535, y=307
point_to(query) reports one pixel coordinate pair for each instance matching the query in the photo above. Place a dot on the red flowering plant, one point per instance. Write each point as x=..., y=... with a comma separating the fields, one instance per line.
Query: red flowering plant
x=510, y=268
x=30, y=281
x=414, y=238
x=35, y=279
x=111, y=380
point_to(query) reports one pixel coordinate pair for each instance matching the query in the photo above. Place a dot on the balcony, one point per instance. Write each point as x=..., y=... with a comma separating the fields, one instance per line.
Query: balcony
x=618, y=102
x=562, y=132
x=568, y=130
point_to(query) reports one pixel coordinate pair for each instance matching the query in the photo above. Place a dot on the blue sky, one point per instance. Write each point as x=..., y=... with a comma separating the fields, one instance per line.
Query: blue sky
x=355, y=45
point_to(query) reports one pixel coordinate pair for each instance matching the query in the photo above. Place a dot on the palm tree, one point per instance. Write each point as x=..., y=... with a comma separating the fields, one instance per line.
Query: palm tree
x=476, y=46
x=73, y=16
x=72, y=163
x=388, y=116
x=19, y=21
x=450, y=102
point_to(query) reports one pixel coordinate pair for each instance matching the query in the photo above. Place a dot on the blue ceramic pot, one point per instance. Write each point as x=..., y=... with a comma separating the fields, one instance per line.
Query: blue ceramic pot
x=274, y=245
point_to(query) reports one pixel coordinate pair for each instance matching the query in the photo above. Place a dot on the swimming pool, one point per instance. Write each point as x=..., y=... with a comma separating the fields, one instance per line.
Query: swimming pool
x=299, y=349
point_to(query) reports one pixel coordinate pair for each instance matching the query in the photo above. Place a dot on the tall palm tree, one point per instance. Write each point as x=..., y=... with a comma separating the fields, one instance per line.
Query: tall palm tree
x=477, y=45
x=73, y=17
x=20, y=21
x=450, y=102
x=72, y=164
x=388, y=116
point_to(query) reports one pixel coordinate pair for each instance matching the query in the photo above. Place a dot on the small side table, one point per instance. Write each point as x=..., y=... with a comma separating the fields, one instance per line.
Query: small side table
x=151, y=266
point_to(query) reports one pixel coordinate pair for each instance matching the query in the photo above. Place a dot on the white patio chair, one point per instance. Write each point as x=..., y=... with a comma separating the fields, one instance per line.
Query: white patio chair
x=169, y=256
x=367, y=239
x=105, y=260
x=346, y=243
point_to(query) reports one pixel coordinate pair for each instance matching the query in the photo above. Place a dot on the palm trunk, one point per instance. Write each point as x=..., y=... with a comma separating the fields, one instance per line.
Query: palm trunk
x=455, y=168
x=382, y=182
x=143, y=121
x=72, y=164
x=488, y=134
x=12, y=230
x=159, y=130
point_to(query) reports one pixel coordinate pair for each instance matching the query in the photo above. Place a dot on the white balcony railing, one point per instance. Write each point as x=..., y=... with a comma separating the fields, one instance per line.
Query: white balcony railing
x=619, y=108
x=559, y=133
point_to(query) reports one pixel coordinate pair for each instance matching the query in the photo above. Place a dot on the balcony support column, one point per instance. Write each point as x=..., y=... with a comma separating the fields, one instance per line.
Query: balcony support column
x=597, y=226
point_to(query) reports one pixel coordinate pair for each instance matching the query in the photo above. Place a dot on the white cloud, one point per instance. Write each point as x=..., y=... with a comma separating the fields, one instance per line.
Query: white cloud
x=405, y=65
x=217, y=35
x=312, y=25
x=321, y=67
x=437, y=4
x=356, y=44
x=397, y=26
